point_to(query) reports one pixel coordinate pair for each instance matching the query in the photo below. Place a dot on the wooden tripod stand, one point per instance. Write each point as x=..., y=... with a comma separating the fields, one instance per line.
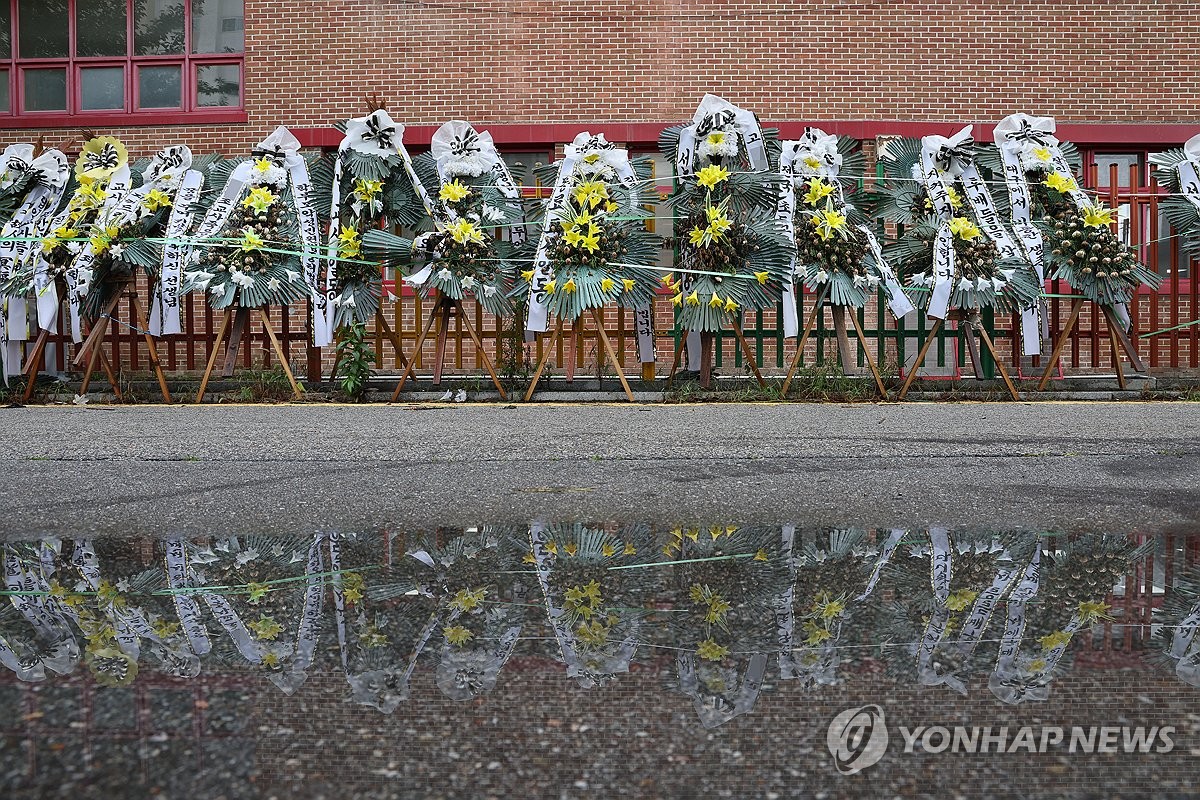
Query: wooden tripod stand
x=973, y=324
x=707, y=343
x=839, y=324
x=92, y=348
x=548, y=348
x=443, y=310
x=235, y=345
x=1116, y=333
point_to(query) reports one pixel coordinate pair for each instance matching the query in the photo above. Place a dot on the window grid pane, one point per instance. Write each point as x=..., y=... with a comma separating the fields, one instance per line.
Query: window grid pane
x=102, y=89
x=160, y=86
x=106, y=70
x=46, y=89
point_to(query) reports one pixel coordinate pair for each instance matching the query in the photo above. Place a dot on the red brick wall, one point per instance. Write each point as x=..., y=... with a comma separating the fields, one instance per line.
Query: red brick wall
x=505, y=61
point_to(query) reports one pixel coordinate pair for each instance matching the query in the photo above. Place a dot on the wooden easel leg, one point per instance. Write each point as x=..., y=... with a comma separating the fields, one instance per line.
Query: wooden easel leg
x=212, y=356
x=547, y=349
x=408, y=371
x=382, y=322
x=912, y=374
x=741, y=337
x=845, y=354
x=972, y=347
x=1063, y=337
x=608, y=348
x=991, y=348
x=487, y=361
x=706, y=359
x=93, y=362
x=808, y=329
x=867, y=350
x=678, y=356
x=98, y=331
x=235, y=341
x=572, y=348
x=108, y=372
x=439, y=358
x=287, y=370
x=1126, y=343
x=34, y=366
x=151, y=347
x=1116, y=354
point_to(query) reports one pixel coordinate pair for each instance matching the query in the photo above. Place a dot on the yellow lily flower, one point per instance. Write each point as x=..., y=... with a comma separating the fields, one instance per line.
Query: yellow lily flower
x=467, y=600
x=260, y=199
x=569, y=288
x=709, y=650
x=677, y=300
x=762, y=277
x=964, y=229
x=829, y=223
x=1089, y=611
x=349, y=243
x=1061, y=183
x=463, y=231
x=366, y=190
x=628, y=283
x=156, y=199
x=818, y=190
x=711, y=175
x=1053, y=640
x=103, y=238
x=718, y=223
x=265, y=628
x=629, y=550
x=452, y=192
x=590, y=243
x=527, y=275
x=715, y=301
x=550, y=287
x=573, y=237
x=761, y=555
x=457, y=635
x=251, y=241
x=730, y=306
x=607, y=285
x=611, y=207
x=1097, y=216
x=693, y=299
x=696, y=236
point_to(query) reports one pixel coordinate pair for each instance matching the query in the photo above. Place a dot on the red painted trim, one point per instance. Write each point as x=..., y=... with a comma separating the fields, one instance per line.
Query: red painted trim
x=140, y=119
x=535, y=135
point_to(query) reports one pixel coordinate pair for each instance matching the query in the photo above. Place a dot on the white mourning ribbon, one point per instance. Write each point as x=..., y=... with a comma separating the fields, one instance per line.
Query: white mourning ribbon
x=785, y=220
x=1185, y=648
x=222, y=611
x=885, y=555
x=172, y=167
x=975, y=625
x=584, y=144
x=785, y=614
x=712, y=114
x=376, y=134
x=21, y=234
x=716, y=710
x=283, y=146
x=129, y=622
x=179, y=574
x=940, y=570
x=296, y=672
x=943, y=160
x=32, y=586
x=1001, y=682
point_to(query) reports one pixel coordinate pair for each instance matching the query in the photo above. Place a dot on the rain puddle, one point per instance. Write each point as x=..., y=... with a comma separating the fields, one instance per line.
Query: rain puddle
x=562, y=660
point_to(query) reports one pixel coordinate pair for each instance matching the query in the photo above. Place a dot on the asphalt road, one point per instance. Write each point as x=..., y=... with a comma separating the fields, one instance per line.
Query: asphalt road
x=300, y=468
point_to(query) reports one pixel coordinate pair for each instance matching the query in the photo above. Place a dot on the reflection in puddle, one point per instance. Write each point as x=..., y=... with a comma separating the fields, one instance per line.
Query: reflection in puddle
x=156, y=631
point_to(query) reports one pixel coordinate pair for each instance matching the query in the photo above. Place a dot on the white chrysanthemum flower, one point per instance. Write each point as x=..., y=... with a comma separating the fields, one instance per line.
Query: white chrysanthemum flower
x=722, y=143
x=471, y=165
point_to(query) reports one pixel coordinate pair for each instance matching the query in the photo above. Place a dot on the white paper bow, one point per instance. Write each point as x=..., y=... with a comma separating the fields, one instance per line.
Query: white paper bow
x=950, y=155
x=376, y=134
x=461, y=150
x=167, y=167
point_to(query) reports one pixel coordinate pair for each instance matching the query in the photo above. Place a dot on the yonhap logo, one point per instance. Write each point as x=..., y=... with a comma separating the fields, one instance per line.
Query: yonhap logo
x=857, y=739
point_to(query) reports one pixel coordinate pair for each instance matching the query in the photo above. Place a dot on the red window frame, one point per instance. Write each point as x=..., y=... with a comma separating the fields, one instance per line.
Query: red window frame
x=188, y=112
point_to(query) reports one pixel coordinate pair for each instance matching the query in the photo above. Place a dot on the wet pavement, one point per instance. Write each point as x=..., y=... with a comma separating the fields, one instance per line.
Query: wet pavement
x=146, y=470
